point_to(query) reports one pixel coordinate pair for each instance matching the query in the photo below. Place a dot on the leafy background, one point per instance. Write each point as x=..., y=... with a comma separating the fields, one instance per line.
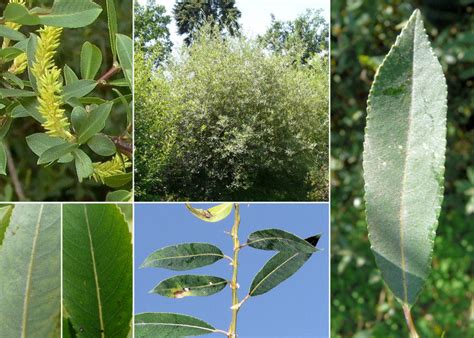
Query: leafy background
x=59, y=182
x=362, y=33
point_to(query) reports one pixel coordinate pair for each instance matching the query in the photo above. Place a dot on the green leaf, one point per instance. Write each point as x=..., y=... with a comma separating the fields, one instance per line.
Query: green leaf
x=119, y=196
x=11, y=34
x=214, y=214
x=18, y=13
x=102, y=145
x=56, y=152
x=404, y=151
x=169, y=325
x=118, y=181
x=113, y=26
x=78, y=88
x=30, y=282
x=97, y=269
x=184, y=256
x=5, y=123
x=78, y=117
x=31, y=57
x=3, y=159
x=13, y=79
x=278, y=269
x=5, y=93
x=5, y=214
x=9, y=53
x=278, y=240
x=95, y=122
x=124, y=52
x=41, y=142
x=91, y=60
x=71, y=13
x=190, y=285
x=69, y=75
x=84, y=168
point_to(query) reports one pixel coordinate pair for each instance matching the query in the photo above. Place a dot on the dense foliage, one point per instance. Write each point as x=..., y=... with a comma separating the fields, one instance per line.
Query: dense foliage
x=80, y=68
x=225, y=120
x=362, y=32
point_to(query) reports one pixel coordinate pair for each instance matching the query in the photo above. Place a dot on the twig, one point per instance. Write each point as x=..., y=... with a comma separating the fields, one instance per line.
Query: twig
x=108, y=74
x=124, y=145
x=409, y=320
x=14, y=175
x=234, y=285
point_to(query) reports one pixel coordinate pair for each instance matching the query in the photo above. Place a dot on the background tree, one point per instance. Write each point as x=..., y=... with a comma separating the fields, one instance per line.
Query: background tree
x=303, y=37
x=191, y=15
x=152, y=35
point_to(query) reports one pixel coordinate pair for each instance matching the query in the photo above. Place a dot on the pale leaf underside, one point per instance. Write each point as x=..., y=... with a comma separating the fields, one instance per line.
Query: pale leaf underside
x=404, y=149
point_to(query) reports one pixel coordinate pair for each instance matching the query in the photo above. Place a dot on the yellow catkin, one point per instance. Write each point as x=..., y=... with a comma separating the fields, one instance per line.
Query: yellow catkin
x=49, y=82
x=116, y=166
x=12, y=25
x=19, y=64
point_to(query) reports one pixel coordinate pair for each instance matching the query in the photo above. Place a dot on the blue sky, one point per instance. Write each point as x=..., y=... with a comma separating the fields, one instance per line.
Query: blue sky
x=296, y=308
x=256, y=13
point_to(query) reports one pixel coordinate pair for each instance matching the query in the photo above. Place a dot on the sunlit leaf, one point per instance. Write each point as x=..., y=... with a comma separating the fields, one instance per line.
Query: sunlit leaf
x=189, y=285
x=214, y=214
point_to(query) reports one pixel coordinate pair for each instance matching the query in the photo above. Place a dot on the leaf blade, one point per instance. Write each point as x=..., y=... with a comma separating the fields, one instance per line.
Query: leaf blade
x=189, y=285
x=169, y=325
x=214, y=214
x=278, y=240
x=404, y=147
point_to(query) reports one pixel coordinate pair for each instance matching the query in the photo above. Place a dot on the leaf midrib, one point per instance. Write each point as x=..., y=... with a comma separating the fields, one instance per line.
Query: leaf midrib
x=96, y=278
x=405, y=169
x=180, y=325
x=186, y=256
x=26, y=301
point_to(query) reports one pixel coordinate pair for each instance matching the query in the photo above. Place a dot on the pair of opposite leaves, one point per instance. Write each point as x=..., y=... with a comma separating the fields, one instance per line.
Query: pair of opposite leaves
x=293, y=252
x=97, y=271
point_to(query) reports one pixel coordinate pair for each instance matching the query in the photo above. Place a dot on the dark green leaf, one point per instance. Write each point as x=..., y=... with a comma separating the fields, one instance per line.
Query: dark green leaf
x=71, y=13
x=3, y=159
x=9, y=53
x=78, y=117
x=95, y=122
x=189, y=285
x=11, y=34
x=184, y=256
x=118, y=181
x=41, y=142
x=5, y=93
x=124, y=52
x=56, y=152
x=279, y=240
x=5, y=123
x=78, y=88
x=169, y=325
x=404, y=152
x=91, y=60
x=97, y=270
x=102, y=145
x=113, y=26
x=84, y=168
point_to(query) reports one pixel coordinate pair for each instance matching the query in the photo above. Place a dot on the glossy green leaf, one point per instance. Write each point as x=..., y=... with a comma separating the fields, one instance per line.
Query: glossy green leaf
x=279, y=268
x=11, y=34
x=97, y=269
x=124, y=52
x=78, y=88
x=83, y=162
x=56, y=152
x=184, y=256
x=214, y=214
x=113, y=26
x=119, y=196
x=102, y=145
x=278, y=240
x=71, y=13
x=3, y=159
x=169, y=325
x=40, y=142
x=30, y=282
x=5, y=214
x=91, y=60
x=404, y=151
x=189, y=285
x=95, y=122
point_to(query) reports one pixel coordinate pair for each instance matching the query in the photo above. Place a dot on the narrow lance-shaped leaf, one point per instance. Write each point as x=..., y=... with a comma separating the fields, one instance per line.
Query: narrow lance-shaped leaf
x=3, y=159
x=279, y=268
x=404, y=149
x=30, y=282
x=124, y=52
x=190, y=285
x=169, y=325
x=5, y=214
x=184, y=256
x=113, y=26
x=278, y=240
x=214, y=214
x=97, y=270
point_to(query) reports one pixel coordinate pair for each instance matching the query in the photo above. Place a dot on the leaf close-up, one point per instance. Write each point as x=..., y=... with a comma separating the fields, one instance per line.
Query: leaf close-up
x=404, y=152
x=97, y=276
x=214, y=214
x=190, y=285
x=30, y=278
x=279, y=240
x=169, y=325
x=185, y=256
